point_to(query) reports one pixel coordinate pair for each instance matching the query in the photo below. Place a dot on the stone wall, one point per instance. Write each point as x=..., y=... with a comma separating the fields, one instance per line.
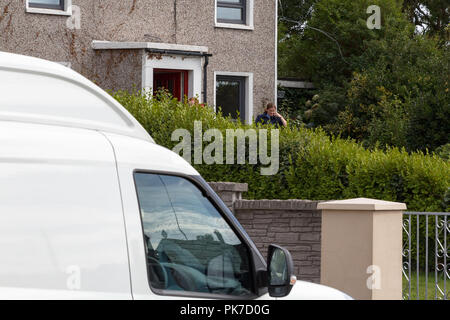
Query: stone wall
x=292, y=224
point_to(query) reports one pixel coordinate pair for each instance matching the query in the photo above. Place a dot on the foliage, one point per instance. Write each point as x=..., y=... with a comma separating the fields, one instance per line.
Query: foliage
x=311, y=165
x=402, y=99
x=425, y=285
x=431, y=16
x=323, y=108
x=444, y=151
x=291, y=13
x=330, y=45
x=386, y=87
x=293, y=105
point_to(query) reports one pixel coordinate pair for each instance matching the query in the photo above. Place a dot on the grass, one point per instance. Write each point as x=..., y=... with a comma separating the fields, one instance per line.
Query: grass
x=422, y=291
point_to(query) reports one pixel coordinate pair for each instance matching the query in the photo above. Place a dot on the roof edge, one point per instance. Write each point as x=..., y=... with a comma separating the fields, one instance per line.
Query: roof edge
x=124, y=45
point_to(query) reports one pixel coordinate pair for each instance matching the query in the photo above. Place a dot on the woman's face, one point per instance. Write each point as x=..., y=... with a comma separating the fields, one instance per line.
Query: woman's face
x=271, y=111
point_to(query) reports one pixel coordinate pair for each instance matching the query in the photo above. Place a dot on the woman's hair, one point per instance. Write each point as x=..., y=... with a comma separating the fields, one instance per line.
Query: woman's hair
x=270, y=105
x=194, y=100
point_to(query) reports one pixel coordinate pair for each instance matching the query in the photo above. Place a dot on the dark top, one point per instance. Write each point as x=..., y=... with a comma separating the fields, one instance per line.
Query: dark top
x=266, y=119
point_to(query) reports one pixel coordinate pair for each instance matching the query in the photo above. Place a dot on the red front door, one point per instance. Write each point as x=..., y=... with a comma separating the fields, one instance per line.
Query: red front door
x=174, y=81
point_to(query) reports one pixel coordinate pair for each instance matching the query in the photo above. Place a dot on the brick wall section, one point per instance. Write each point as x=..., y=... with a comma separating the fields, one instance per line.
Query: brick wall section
x=292, y=224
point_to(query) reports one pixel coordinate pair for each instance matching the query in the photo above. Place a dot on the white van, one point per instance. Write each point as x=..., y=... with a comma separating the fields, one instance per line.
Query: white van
x=92, y=208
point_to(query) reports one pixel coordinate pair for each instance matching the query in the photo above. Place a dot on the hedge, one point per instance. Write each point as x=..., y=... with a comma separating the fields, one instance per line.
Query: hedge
x=312, y=165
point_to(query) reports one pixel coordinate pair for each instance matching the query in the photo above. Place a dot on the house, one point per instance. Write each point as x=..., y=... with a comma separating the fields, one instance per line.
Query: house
x=222, y=51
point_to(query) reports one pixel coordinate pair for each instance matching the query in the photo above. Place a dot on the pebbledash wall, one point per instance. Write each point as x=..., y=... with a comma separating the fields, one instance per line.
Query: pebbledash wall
x=292, y=224
x=109, y=42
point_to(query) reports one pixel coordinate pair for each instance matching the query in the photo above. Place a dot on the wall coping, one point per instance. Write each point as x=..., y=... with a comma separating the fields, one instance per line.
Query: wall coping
x=362, y=204
x=229, y=186
x=292, y=204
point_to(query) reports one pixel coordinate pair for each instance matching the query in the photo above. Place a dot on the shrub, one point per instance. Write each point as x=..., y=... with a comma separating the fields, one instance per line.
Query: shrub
x=402, y=98
x=444, y=151
x=312, y=165
x=293, y=104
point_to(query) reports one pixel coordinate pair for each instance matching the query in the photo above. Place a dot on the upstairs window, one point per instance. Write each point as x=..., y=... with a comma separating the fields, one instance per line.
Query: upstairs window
x=56, y=7
x=232, y=11
x=47, y=4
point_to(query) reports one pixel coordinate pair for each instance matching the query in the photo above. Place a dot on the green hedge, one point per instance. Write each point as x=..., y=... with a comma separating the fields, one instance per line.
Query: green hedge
x=312, y=166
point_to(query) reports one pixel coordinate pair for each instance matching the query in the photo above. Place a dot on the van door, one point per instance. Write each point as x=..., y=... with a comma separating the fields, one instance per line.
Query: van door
x=181, y=241
x=62, y=232
x=191, y=250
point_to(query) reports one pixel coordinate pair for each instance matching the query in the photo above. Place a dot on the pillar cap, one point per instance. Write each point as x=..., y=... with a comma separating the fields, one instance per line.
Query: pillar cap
x=362, y=204
x=229, y=186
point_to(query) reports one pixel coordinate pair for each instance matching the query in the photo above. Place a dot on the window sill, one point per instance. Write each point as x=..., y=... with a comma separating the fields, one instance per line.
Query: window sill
x=234, y=26
x=68, y=12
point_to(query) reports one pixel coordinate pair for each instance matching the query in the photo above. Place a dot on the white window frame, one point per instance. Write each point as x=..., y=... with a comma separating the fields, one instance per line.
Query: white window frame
x=66, y=12
x=249, y=19
x=248, y=91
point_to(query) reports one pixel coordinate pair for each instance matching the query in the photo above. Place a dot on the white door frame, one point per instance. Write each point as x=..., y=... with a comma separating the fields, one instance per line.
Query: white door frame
x=193, y=64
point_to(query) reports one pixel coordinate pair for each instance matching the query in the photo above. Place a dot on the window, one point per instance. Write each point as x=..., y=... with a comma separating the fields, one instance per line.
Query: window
x=234, y=14
x=47, y=4
x=230, y=96
x=189, y=245
x=57, y=7
x=232, y=11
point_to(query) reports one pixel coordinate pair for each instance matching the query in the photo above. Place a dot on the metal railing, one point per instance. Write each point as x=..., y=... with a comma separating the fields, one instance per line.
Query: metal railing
x=426, y=236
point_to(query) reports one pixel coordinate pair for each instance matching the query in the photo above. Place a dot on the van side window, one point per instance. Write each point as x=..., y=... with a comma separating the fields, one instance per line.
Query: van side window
x=190, y=247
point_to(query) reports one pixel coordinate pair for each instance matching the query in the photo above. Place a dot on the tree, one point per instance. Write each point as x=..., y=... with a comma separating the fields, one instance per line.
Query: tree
x=328, y=47
x=386, y=86
x=402, y=97
x=291, y=15
x=294, y=12
x=432, y=17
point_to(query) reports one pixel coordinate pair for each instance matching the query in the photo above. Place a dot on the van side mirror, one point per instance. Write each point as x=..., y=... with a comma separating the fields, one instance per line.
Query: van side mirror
x=280, y=269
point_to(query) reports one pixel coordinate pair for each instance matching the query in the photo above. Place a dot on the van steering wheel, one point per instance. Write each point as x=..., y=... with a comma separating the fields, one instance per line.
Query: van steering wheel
x=159, y=277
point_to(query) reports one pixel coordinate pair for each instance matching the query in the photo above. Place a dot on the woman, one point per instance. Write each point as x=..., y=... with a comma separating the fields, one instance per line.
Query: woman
x=271, y=116
x=194, y=102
